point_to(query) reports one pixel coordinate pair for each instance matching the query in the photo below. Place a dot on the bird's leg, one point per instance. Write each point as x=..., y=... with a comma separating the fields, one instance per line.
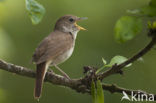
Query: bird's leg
x=64, y=74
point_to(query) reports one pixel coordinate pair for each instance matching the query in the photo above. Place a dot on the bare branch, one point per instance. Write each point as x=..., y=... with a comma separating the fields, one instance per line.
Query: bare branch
x=118, y=68
x=116, y=89
x=50, y=76
x=83, y=84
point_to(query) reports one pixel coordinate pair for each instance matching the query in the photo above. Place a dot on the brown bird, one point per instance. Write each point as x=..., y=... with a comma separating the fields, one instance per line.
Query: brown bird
x=55, y=49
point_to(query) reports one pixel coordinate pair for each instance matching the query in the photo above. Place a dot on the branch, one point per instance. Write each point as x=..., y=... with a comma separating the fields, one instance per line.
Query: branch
x=114, y=88
x=75, y=84
x=118, y=68
x=81, y=85
x=50, y=76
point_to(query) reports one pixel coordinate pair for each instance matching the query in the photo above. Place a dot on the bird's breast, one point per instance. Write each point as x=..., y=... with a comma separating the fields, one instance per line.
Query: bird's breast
x=64, y=56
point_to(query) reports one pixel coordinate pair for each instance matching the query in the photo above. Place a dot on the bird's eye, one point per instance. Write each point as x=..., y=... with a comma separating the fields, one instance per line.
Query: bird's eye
x=71, y=19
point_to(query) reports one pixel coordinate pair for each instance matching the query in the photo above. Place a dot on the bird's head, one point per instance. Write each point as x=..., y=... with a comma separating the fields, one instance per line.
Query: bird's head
x=68, y=23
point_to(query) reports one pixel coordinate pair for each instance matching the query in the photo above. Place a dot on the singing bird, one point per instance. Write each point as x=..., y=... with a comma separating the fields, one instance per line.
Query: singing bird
x=55, y=49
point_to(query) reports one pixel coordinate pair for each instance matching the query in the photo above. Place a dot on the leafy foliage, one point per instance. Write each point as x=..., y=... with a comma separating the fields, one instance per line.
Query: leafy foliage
x=152, y=25
x=149, y=10
x=35, y=10
x=104, y=61
x=93, y=92
x=97, y=93
x=104, y=65
x=127, y=27
x=100, y=94
x=117, y=60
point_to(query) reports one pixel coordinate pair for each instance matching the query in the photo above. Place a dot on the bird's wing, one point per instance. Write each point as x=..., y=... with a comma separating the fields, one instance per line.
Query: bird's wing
x=53, y=46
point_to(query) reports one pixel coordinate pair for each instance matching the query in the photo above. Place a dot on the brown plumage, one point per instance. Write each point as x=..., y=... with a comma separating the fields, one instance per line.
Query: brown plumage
x=53, y=46
x=40, y=72
x=55, y=49
x=48, y=50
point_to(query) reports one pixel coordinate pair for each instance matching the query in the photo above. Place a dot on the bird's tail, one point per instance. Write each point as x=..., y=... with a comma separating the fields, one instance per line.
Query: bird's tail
x=40, y=75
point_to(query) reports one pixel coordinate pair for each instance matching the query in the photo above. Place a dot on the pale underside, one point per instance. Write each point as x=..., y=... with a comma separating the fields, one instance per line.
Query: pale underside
x=55, y=49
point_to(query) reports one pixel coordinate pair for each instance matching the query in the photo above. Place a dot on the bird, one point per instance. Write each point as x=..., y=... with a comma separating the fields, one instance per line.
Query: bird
x=56, y=48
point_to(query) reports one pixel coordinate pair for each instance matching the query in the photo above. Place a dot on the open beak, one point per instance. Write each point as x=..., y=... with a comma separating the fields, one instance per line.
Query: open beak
x=79, y=19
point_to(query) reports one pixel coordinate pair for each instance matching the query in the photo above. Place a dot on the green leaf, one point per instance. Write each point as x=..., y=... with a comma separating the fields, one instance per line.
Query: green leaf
x=100, y=94
x=104, y=61
x=152, y=25
x=149, y=10
x=117, y=60
x=35, y=11
x=100, y=69
x=93, y=92
x=127, y=27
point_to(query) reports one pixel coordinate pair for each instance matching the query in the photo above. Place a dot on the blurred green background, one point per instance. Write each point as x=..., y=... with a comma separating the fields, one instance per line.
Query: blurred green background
x=19, y=38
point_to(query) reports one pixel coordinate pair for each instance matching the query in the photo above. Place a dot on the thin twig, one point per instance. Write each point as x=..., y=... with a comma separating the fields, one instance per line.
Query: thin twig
x=116, y=89
x=117, y=68
x=83, y=84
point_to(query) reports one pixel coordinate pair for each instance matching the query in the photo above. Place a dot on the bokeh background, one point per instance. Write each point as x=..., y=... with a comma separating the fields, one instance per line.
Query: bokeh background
x=19, y=38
